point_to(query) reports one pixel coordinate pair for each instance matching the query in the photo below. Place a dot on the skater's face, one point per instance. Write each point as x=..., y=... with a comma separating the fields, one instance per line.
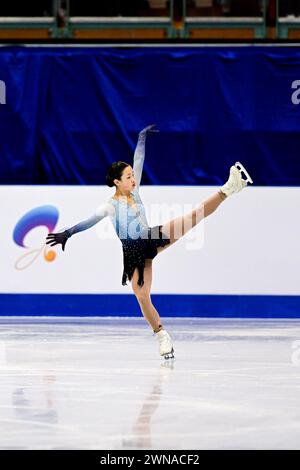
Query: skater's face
x=127, y=182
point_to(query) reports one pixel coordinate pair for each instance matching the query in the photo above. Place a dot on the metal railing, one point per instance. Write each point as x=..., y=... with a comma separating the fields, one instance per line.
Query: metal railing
x=255, y=23
x=71, y=24
x=62, y=24
x=286, y=26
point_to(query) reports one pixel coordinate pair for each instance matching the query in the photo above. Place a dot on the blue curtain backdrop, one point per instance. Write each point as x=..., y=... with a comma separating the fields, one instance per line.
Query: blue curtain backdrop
x=70, y=112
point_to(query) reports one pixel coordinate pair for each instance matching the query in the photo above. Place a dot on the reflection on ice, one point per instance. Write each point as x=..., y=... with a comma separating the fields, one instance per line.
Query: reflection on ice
x=140, y=436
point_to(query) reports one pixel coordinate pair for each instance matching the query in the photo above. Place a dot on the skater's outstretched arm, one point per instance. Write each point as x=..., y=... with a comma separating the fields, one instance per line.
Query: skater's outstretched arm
x=62, y=237
x=139, y=154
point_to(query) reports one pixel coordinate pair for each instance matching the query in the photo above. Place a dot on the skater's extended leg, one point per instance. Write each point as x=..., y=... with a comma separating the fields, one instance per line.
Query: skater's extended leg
x=177, y=228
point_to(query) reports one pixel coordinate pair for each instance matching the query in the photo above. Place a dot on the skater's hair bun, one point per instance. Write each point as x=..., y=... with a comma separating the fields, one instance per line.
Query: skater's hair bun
x=115, y=172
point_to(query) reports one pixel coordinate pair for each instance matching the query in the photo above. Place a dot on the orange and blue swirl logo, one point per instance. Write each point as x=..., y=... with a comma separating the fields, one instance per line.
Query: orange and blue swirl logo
x=46, y=216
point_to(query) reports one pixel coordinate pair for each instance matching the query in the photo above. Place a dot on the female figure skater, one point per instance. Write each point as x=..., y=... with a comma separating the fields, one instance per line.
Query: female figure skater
x=140, y=242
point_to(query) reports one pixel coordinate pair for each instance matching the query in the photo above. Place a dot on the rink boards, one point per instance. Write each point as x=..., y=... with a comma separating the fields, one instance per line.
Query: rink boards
x=241, y=261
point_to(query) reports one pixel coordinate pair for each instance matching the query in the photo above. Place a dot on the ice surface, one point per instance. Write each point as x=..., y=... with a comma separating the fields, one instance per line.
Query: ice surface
x=99, y=383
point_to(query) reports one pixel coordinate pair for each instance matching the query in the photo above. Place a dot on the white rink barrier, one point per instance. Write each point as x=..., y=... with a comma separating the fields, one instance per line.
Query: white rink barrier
x=249, y=246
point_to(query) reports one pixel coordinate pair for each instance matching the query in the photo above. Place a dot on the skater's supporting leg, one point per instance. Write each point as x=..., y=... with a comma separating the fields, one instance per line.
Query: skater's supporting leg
x=177, y=228
x=149, y=311
x=143, y=295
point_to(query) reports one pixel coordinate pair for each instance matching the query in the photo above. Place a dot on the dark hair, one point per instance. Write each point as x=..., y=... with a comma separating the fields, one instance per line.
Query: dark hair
x=115, y=172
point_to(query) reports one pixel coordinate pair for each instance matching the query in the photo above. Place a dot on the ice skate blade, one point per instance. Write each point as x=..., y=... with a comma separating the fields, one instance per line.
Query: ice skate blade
x=169, y=355
x=242, y=170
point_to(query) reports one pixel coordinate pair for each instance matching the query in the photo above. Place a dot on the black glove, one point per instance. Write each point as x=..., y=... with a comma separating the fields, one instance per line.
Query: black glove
x=57, y=238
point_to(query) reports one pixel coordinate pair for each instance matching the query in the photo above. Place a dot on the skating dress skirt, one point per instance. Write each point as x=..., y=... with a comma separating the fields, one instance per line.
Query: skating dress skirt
x=135, y=252
x=139, y=241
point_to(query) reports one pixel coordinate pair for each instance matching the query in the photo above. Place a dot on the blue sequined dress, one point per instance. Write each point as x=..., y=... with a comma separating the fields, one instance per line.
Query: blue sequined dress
x=139, y=241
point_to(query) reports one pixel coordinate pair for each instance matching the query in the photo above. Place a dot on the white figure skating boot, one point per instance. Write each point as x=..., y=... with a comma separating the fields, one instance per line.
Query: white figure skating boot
x=236, y=182
x=165, y=344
